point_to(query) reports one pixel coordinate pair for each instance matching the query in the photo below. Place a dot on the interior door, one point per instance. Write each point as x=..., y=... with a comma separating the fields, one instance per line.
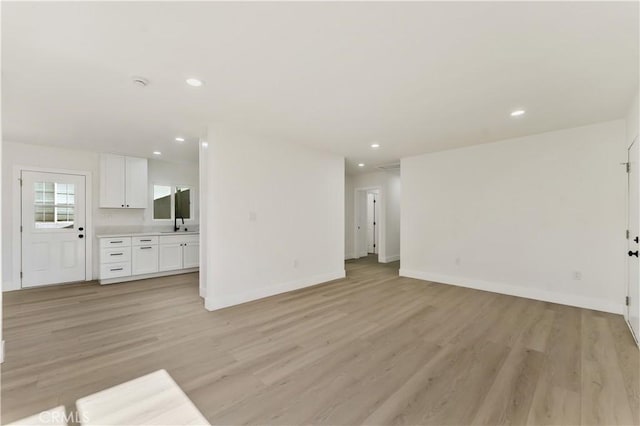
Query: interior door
x=53, y=228
x=633, y=293
x=371, y=223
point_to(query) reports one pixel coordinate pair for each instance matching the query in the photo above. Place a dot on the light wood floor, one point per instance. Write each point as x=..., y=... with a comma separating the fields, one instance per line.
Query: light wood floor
x=372, y=348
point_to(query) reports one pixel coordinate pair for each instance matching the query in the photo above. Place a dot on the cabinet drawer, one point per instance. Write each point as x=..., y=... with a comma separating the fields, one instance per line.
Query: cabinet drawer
x=115, y=270
x=179, y=239
x=115, y=255
x=115, y=242
x=144, y=241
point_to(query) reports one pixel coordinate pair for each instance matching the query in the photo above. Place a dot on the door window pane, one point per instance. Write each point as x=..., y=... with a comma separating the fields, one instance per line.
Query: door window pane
x=54, y=205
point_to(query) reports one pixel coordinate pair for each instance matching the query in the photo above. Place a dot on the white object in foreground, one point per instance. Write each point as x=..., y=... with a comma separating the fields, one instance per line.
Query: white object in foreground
x=154, y=399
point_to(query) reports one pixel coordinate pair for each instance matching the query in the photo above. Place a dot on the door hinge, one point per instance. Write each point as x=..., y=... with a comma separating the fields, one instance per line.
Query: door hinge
x=20, y=274
x=20, y=180
x=21, y=229
x=627, y=234
x=626, y=300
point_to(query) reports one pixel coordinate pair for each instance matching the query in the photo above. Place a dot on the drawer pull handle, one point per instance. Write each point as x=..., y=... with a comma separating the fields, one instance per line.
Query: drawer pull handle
x=116, y=269
x=146, y=241
x=115, y=242
x=144, y=248
x=116, y=254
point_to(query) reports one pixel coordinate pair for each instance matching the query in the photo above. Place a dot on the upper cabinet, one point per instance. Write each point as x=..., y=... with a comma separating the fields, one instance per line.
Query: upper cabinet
x=136, y=183
x=123, y=182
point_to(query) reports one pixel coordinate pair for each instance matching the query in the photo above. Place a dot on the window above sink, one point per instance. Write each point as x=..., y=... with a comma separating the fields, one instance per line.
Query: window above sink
x=172, y=201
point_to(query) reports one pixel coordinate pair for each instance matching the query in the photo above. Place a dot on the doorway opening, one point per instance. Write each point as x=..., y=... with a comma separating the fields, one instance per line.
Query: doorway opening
x=369, y=229
x=372, y=226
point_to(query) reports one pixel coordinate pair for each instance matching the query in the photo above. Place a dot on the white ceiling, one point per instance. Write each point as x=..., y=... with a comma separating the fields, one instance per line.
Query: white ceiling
x=414, y=77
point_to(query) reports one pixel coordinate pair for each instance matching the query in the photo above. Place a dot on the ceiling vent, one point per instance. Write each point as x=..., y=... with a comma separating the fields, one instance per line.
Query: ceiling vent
x=392, y=167
x=140, y=81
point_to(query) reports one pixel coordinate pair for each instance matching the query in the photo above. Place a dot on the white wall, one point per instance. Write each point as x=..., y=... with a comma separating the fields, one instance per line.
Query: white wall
x=274, y=217
x=632, y=118
x=161, y=172
x=522, y=216
x=390, y=185
x=3, y=236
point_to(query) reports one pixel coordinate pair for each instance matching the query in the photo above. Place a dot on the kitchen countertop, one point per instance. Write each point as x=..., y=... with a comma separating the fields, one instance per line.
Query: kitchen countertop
x=143, y=232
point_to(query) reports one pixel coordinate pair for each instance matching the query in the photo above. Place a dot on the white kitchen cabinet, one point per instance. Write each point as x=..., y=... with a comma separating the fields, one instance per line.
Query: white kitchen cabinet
x=123, y=182
x=191, y=255
x=112, y=175
x=147, y=255
x=144, y=259
x=136, y=182
x=170, y=256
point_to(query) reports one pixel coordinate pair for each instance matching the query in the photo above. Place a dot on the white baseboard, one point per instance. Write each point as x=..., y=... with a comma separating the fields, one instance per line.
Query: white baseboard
x=1, y=352
x=388, y=259
x=528, y=293
x=213, y=303
x=146, y=276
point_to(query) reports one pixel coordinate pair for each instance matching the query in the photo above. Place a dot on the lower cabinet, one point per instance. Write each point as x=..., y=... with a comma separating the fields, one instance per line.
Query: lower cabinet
x=191, y=255
x=170, y=256
x=127, y=258
x=180, y=255
x=144, y=260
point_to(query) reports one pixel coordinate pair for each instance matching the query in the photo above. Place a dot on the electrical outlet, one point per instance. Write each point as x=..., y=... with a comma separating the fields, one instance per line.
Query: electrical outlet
x=577, y=275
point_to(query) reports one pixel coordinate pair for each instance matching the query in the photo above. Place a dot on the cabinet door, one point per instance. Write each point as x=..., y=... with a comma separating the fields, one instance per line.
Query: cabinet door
x=170, y=257
x=112, y=181
x=191, y=255
x=144, y=260
x=136, y=183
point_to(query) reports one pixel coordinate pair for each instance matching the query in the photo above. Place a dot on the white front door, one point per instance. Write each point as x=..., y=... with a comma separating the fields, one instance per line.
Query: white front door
x=53, y=228
x=633, y=293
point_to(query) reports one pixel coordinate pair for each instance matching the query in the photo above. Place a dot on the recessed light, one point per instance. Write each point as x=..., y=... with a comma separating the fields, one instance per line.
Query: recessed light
x=517, y=112
x=157, y=153
x=179, y=139
x=194, y=82
x=205, y=144
x=375, y=145
x=360, y=164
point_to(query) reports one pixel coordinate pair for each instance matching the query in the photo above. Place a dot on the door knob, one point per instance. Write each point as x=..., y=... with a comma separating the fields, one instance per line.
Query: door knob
x=635, y=239
x=633, y=253
x=82, y=236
